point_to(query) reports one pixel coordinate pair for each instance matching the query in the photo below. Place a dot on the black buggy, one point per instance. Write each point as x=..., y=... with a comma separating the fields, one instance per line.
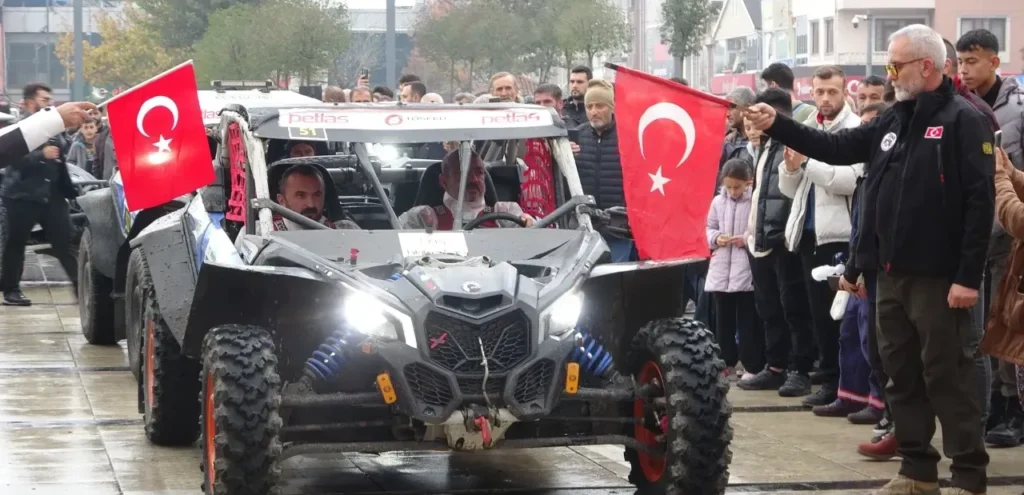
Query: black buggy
x=270, y=344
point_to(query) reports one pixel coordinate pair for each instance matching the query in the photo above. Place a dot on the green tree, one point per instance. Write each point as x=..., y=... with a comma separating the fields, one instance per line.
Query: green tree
x=128, y=55
x=180, y=24
x=590, y=28
x=686, y=22
x=306, y=37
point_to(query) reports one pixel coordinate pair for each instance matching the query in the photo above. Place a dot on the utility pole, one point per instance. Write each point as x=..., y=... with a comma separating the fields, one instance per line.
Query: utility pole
x=78, y=84
x=389, y=46
x=868, y=63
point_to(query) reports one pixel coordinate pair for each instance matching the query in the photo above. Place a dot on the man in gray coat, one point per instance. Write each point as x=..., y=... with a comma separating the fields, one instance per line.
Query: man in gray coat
x=978, y=61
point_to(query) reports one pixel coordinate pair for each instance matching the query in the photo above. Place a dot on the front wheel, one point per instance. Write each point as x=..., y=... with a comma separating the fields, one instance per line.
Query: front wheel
x=687, y=416
x=240, y=400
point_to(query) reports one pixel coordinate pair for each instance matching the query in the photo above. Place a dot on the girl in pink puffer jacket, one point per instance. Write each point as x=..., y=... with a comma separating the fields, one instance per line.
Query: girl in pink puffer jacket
x=729, y=279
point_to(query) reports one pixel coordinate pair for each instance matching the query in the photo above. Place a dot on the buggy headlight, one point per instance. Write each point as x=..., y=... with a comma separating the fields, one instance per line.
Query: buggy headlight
x=369, y=316
x=564, y=313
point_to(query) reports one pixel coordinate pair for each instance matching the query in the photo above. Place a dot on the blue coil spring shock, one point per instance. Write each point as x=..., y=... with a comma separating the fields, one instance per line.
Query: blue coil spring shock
x=593, y=358
x=329, y=359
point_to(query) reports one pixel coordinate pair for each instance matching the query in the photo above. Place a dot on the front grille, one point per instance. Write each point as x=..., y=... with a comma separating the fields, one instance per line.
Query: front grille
x=473, y=386
x=428, y=386
x=534, y=383
x=455, y=344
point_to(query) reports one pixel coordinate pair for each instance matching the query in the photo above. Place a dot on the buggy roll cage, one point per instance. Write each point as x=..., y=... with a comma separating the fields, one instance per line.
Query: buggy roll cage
x=397, y=123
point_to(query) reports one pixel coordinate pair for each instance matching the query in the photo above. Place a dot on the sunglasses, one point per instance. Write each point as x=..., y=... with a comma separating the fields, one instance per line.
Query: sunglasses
x=893, y=68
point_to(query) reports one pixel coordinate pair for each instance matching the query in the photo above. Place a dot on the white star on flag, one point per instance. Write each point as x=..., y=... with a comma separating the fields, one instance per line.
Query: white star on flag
x=658, y=182
x=163, y=145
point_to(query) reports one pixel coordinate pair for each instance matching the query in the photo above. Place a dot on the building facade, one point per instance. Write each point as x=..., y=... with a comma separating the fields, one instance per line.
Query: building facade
x=852, y=34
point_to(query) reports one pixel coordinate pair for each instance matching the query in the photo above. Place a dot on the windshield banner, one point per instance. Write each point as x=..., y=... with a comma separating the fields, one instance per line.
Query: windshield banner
x=211, y=102
x=410, y=119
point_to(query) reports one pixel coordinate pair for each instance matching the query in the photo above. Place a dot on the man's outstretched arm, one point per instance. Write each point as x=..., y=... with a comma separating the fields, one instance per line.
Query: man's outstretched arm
x=846, y=147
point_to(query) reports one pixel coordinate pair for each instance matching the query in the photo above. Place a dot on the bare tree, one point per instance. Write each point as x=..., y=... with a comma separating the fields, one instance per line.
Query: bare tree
x=365, y=51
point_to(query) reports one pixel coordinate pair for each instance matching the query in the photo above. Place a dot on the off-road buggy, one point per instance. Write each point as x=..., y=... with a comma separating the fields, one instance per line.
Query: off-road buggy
x=104, y=225
x=271, y=344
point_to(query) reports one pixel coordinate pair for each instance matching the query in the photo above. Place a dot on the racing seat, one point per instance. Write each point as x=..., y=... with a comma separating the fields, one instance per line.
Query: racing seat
x=332, y=205
x=429, y=192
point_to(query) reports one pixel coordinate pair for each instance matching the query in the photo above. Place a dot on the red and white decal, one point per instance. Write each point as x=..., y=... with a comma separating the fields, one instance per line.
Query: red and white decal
x=933, y=132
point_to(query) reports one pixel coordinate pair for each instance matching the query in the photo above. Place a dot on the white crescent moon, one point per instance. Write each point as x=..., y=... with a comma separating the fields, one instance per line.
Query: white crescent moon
x=154, y=102
x=672, y=112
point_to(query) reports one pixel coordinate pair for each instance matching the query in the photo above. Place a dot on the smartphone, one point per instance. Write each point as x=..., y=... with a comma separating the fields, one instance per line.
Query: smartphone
x=574, y=135
x=364, y=73
x=999, y=139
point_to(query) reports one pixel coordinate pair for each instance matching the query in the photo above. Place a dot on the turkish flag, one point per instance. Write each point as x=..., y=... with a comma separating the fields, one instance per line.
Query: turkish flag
x=670, y=142
x=159, y=138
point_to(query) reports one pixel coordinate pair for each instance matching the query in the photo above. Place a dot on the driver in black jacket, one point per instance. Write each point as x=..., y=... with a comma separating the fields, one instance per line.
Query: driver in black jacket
x=925, y=224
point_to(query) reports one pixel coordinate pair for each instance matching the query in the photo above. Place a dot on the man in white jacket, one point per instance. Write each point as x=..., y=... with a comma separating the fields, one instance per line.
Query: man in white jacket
x=818, y=228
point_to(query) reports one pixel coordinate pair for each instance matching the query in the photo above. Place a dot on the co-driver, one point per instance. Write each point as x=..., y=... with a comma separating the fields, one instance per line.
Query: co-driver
x=473, y=205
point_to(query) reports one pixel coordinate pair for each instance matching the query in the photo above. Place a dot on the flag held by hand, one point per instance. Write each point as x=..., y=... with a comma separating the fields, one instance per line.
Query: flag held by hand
x=159, y=139
x=670, y=143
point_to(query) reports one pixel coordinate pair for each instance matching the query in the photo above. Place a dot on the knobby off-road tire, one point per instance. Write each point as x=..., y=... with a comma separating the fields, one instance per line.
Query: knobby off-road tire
x=170, y=381
x=682, y=353
x=240, y=401
x=95, y=305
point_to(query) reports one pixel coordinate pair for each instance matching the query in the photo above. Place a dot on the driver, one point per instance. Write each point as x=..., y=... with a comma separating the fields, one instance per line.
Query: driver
x=302, y=190
x=443, y=217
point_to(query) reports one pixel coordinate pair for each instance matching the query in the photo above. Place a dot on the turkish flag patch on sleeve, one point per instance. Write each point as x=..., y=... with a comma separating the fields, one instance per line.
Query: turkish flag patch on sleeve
x=159, y=139
x=670, y=143
x=933, y=132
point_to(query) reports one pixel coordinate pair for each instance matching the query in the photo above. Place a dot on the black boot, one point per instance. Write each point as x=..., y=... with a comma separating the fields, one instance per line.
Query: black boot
x=996, y=411
x=1010, y=432
x=16, y=298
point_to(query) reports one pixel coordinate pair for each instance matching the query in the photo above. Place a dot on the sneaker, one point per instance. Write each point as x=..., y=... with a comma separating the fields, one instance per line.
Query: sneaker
x=867, y=416
x=825, y=395
x=902, y=485
x=837, y=409
x=881, y=449
x=765, y=380
x=883, y=426
x=747, y=376
x=818, y=378
x=16, y=298
x=797, y=385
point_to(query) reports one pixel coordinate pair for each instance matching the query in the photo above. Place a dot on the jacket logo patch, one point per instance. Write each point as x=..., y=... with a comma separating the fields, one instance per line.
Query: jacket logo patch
x=986, y=148
x=888, y=141
x=933, y=132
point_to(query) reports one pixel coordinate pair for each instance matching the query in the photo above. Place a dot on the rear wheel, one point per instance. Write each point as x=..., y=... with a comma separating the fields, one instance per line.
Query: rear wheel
x=687, y=415
x=170, y=381
x=95, y=305
x=240, y=400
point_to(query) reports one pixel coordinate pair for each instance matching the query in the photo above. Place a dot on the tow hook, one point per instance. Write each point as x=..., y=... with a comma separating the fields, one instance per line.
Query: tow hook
x=478, y=419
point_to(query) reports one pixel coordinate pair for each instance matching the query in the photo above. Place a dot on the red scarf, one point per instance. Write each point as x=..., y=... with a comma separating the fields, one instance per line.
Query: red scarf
x=537, y=191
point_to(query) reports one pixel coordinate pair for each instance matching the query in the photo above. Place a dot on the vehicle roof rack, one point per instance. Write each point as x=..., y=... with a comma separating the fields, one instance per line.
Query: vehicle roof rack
x=263, y=86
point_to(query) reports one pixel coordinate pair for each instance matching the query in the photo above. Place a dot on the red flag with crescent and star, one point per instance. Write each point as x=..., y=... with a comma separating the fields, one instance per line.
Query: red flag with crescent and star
x=670, y=143
x=159, y=139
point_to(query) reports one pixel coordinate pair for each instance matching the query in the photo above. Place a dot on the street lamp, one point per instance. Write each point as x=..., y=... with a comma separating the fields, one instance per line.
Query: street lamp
x=867, y=18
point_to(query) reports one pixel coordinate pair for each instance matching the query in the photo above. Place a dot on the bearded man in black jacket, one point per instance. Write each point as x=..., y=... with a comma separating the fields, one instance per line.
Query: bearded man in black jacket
x=925, y=223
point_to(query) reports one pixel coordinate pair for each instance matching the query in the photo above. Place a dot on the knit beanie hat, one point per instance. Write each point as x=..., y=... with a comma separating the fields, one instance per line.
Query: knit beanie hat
x=600, y=91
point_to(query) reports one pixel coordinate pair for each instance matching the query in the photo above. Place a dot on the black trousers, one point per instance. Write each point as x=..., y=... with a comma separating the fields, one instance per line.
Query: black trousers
x=21, y=217
x=820, y=297
x=874, y=358
x=923, y=344
x=736, y=316
x=781, y=299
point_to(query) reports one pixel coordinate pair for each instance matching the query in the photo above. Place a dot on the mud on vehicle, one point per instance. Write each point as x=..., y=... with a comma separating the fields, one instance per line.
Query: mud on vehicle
x=269, y=344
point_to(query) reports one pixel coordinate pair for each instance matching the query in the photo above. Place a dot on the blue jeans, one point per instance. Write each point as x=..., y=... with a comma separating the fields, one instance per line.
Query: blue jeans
x=622, y=250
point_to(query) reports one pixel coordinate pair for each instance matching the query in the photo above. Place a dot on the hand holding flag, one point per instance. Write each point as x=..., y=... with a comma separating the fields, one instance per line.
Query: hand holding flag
x=159, y=138
x=670, y=142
